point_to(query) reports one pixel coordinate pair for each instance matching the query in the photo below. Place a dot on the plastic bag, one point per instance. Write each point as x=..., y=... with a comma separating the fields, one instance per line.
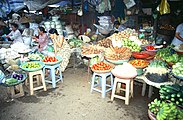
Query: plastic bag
x=164, y=7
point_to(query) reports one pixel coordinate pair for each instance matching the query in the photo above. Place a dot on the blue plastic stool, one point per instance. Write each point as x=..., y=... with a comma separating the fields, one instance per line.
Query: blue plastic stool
x=54, y=78
x=102, y=83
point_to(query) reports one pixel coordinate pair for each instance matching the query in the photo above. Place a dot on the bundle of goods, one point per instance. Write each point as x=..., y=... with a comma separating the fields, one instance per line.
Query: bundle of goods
x=125, y=71
x=161, y=110
x=92, y=49
x=144, y=41
x=8, y=53
x=115, y=53
x=167, y=27
x=101, y=67
x=131, y=44
x=173, y=93
x=164, y=53
x=105, y=21
x=157, y=71
x=75, y=43
x=177, y=70
x=107, y=42
x=20, y=47
x=137, y=63
x=35, y=56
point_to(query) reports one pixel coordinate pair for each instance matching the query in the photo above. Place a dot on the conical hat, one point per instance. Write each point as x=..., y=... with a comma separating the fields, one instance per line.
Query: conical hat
x=2, y=23
x=25, y=20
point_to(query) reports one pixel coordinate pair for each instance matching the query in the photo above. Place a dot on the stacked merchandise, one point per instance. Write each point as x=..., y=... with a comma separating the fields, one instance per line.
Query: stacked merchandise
x=54, y=23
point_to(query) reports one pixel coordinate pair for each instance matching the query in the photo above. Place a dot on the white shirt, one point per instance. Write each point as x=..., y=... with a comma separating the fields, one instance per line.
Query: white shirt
x=16, y=36
x=179, y=29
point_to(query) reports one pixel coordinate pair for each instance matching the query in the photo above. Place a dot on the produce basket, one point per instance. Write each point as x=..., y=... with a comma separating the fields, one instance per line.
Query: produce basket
x=151, y=115
x=139, y=67
x=59, y=60
x=37, y=57
x=18, y=81
x=101, y=71
x=117, y=61
x=32, y=69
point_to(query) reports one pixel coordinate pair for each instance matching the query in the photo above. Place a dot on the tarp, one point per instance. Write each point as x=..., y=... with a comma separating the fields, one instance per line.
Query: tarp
x=10, y=5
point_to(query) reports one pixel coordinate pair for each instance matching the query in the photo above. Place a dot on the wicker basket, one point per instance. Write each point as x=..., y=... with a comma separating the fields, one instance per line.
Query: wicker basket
x=151, y=115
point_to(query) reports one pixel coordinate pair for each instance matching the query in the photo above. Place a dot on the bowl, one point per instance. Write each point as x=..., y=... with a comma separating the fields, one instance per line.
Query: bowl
x=59, y=60
x=32, y=69
x=140, y=55
x=150, y=50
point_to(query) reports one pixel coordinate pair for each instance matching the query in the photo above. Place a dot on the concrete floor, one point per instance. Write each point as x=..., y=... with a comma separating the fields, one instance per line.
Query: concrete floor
x=72, y=100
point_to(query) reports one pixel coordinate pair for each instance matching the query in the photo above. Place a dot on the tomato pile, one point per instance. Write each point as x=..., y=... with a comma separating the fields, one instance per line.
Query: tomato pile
x=50, y=59
x=139, y=63
x=150, y=47
x=101, y=66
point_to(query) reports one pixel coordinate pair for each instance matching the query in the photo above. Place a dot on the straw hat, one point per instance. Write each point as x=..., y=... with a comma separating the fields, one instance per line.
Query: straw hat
x=25, y=20
x=2, y=23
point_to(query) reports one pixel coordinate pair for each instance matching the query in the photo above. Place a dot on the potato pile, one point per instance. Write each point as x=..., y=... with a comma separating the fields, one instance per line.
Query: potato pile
x=105, y=43
x=116, y=53
x=92, y=49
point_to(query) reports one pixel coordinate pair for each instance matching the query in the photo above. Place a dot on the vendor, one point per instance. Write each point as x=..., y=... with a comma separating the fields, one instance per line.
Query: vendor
x=178, y=39
x=61, y=48
x=42, y=39
x=3, y=28
x=15, y=34
x=27, y=34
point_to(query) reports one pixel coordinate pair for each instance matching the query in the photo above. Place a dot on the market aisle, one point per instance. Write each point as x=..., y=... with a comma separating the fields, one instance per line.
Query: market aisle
x=72, y=101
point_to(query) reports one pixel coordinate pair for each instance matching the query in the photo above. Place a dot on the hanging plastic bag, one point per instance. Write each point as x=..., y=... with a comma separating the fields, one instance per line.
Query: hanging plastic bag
x=164, y=7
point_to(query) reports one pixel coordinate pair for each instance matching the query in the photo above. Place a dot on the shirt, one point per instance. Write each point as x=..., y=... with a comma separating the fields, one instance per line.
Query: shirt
x=42, y=41
x=179, y=29
x=16, y=36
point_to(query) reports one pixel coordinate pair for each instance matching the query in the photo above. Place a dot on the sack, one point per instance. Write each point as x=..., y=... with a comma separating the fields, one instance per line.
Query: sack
x=164, y=7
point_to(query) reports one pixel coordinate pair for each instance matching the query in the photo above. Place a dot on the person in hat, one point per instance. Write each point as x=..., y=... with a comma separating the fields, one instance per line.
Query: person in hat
x=15, y=34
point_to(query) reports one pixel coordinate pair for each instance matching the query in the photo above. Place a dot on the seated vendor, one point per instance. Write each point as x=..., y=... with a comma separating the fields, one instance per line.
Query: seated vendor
x=42, y=39
x=178, y=39
x=15, y=34
x=61, y=48
x=27, y=34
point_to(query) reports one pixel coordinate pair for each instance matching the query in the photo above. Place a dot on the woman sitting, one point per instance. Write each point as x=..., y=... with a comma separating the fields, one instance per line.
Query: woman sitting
x=27, y=34
x=42, y=39
x=61, y=48
x=15, y=34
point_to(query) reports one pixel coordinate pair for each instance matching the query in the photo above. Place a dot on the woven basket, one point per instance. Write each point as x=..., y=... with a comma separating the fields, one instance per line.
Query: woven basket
x=101, y=71
x=151, y=115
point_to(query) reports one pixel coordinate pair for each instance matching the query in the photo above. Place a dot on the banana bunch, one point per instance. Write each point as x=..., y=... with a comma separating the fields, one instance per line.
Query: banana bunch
x=173, y=93
x=165, y=111
x=168, y=111
x=154, y=106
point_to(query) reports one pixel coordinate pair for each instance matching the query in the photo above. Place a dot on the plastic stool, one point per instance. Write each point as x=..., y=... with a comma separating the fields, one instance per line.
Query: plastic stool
x=102, y=83
x=54, y=78
x=128, y=90
x=31, y=75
